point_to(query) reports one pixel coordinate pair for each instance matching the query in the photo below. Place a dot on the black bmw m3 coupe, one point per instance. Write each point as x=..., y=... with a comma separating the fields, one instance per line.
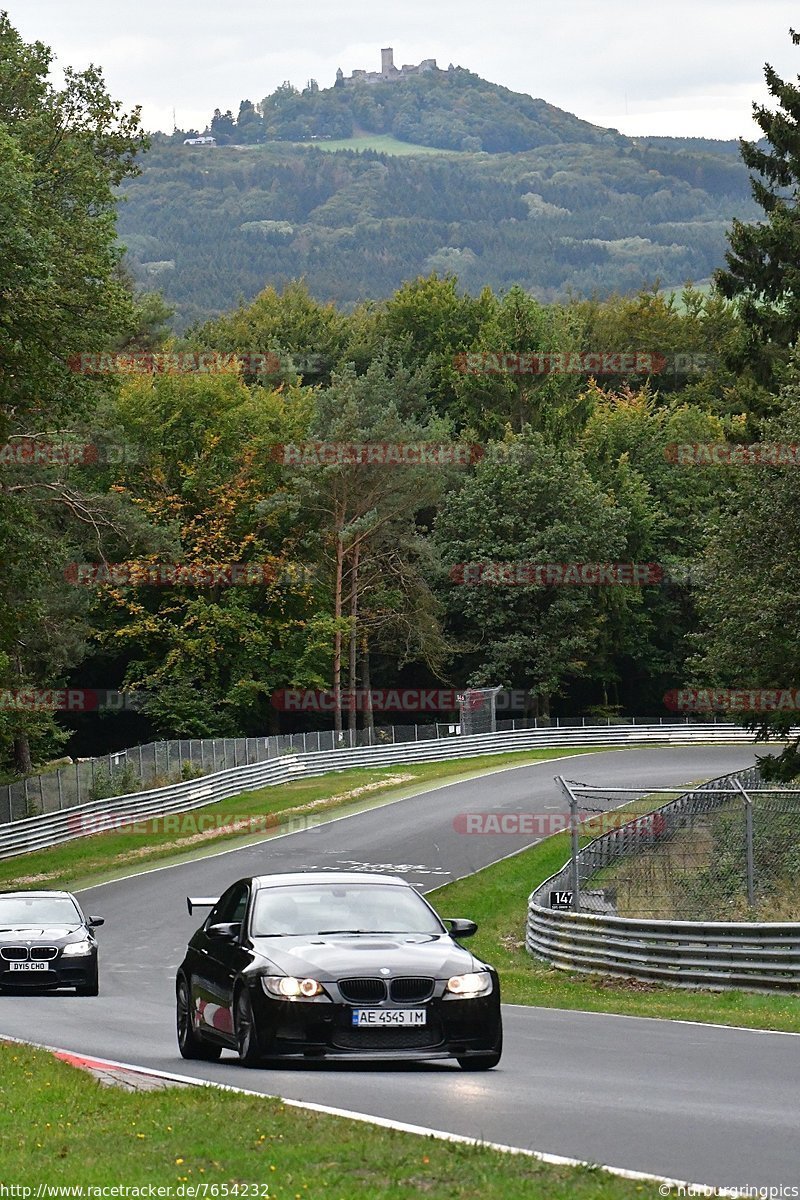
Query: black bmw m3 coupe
x=334, y=965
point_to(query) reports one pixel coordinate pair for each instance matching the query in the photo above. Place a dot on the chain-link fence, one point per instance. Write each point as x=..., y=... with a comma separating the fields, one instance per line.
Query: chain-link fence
x=159, y=763
x=728, y=851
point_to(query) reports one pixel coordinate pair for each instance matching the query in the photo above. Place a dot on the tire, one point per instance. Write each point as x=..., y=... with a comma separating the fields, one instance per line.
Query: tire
x=482, y=1062
x=91, y=988
x=189, y=1044
x=244, y=1024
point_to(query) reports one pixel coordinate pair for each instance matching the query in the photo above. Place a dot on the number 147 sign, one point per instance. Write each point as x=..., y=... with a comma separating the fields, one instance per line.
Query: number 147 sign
x=561, y=900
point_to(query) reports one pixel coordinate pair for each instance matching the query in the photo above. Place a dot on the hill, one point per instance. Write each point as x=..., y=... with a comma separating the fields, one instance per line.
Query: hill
x=519, y=192
x=451, y=110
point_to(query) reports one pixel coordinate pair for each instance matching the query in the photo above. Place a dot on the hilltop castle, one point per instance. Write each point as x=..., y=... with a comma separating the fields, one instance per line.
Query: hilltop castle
x=388, y=73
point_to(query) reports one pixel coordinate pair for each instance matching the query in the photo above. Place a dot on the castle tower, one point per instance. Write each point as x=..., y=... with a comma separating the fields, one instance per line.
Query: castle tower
x=387, y=61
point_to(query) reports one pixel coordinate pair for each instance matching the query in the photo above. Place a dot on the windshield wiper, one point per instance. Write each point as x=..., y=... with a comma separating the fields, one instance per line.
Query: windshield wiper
x=398, y=932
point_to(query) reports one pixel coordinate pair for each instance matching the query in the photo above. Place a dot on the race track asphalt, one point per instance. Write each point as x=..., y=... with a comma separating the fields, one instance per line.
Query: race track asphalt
x=712, y=1105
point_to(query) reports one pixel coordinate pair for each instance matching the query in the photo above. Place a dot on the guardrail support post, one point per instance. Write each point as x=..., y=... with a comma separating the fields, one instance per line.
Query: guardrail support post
x=574, y=842
x=749, y=854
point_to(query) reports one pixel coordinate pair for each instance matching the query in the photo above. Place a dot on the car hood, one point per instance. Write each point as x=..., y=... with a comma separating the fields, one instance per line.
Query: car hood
x=336, y=956
x=37, y=933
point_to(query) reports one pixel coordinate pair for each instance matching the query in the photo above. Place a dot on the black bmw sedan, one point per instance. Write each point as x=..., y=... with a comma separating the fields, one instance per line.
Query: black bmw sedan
x=46, y=942
x=334, y=965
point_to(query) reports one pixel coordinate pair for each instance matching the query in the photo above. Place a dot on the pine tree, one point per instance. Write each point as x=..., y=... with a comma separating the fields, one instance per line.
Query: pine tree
x=764, y=257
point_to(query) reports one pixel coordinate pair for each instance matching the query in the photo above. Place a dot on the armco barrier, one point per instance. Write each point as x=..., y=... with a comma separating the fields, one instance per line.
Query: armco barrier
x=51, y=829
x=762, y=956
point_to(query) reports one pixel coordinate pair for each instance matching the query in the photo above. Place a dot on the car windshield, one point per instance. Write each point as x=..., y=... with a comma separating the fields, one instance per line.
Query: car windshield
x=38, y=910
x=350, y=908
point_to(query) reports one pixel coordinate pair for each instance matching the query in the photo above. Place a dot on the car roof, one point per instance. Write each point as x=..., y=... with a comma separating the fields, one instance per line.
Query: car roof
x=26, y=892
x=333, y=877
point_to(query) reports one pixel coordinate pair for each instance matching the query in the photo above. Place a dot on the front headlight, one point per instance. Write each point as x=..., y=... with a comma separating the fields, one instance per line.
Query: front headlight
x=73, y=949
x=467, y=987
x=286, y=987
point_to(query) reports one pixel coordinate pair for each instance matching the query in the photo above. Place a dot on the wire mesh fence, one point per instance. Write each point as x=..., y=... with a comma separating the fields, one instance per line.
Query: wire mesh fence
x=728, y=851
x=157, y=764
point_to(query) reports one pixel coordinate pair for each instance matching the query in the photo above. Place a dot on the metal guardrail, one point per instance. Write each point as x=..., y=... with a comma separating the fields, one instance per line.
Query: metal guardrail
x=708, y=954
x=159, y=764
x=51, y=829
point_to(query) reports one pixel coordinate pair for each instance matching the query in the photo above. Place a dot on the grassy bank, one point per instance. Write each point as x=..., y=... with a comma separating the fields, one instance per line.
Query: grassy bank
x=496, y=898
x=59, y=1126
x=248, y=817
x=384, y=143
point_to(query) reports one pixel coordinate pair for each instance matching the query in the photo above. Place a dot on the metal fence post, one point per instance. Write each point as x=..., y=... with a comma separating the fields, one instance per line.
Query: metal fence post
x=748, y=836
x=60, y=790
x=574, y=842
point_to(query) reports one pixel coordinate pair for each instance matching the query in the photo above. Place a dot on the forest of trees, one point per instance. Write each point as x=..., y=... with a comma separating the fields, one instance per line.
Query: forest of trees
x=452, y=110
x=360, y=563
x=209, y=227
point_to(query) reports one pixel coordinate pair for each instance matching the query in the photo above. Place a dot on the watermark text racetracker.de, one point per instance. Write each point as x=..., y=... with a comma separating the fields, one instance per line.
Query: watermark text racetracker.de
x=142, y=1191
x=541, y=825
x=195, y=825
x=558, y=574
x=589, y=363
x=733, y=700
x=48, y=452
x=397, y=699
x=69, y=700
x=376, y=454
x=194, y=575
x=733, y=454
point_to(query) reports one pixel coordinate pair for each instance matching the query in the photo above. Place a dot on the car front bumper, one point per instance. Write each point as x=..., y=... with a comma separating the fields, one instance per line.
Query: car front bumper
x=325, y=1029
x=61, y=972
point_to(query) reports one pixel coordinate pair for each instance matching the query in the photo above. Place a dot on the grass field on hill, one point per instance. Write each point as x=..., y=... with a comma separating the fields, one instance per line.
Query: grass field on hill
x=383, y=142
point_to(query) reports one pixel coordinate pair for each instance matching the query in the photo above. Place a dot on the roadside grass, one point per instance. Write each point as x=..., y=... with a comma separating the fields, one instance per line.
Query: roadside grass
x=496, y=897
x=242, y=819
x=59, y=1126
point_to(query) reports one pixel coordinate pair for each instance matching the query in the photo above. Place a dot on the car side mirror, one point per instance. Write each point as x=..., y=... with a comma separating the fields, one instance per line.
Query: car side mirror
x=226, y=931
x=460, y=927
x=93, y=922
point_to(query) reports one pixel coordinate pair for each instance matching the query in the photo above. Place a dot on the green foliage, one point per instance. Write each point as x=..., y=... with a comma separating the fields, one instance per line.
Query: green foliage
x=62, y=153
x=581, y=217
x=119, y=781
x=763, y=257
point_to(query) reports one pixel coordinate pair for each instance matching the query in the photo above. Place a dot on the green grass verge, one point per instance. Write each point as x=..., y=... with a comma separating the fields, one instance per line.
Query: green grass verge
x=59, y=1126
x=242, y=819
x=496, y=898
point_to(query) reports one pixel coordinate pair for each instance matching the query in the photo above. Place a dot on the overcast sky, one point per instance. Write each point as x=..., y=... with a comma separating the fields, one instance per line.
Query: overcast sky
x=687, y=67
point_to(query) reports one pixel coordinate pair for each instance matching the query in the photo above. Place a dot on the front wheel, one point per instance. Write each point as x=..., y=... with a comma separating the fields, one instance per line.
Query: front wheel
x=245, y=1027
x=189, y=1044
x=91, y=987
x=482, y=1062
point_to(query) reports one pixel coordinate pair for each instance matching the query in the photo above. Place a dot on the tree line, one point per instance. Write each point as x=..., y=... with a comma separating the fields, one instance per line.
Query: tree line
x=360, y=580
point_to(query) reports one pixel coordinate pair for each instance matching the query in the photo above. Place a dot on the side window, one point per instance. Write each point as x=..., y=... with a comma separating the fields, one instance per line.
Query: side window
x=231, y=906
